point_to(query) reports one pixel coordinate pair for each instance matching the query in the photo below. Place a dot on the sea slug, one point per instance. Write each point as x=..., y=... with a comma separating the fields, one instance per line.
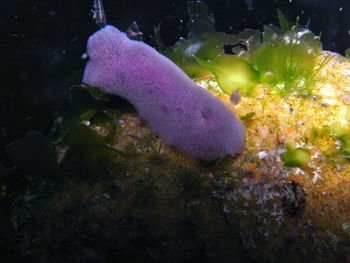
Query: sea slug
x=183, y=114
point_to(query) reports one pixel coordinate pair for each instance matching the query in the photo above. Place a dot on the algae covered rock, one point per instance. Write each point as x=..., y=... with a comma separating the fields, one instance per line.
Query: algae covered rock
x=118, y=193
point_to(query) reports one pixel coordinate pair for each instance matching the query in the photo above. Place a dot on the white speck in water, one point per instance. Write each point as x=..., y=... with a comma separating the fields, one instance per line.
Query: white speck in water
x=64, y=51
x=84, y=56
x=341, y=9
x=263, y=155
x=93, y=14
x=225, y=210
x=87, y=123
x=99, y=13
x=316, y=177
x=299, y=171
x=59, y=119
x=107, y=196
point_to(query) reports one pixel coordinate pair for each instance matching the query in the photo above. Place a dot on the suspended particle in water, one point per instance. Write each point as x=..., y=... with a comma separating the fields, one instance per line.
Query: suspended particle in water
x=133, y=32
x=84, y=56
x=99, y=13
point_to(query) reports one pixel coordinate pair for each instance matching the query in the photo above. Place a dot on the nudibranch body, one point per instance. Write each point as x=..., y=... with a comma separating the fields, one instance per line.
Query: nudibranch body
x=167, y=100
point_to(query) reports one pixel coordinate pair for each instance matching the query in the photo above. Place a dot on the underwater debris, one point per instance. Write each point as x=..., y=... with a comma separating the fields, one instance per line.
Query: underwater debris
x=200, y=21
x=99, y=14
x=133, y=32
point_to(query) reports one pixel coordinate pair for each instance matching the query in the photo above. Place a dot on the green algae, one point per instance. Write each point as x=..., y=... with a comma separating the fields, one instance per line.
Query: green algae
x=295, y=156
x=202, y=54
x=347, y=53
x=288, y=57
x=298, y=157
x=291, y=62
x=244, y=79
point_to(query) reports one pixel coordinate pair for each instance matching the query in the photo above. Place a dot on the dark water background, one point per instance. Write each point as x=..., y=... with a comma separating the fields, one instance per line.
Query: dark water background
x=41, y=43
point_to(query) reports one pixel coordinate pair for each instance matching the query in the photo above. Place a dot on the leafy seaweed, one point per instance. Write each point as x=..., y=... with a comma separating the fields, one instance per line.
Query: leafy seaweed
x=243, y=79
x=298, y=157
x=202, y=54
x=289, y=59
x=248, y=116
x=284, y=25
x=347, y=53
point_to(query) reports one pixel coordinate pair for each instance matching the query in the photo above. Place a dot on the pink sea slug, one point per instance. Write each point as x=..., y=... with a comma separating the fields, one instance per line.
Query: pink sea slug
x=167, y=100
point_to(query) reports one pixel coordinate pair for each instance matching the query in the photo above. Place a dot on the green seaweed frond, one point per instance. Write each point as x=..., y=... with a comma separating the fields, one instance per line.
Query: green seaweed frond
x=161, y=47
x=347, y=53
x=202, y=54
x=289, y=59
x=284, y=25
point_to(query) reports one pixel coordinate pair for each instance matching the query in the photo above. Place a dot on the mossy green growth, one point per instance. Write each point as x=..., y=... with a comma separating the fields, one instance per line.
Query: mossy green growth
x=336, y=132
x=185, y=52
x=298, y=157
x=202, y=54
x=289, y=60
x=232, y=73
x=295, y=156
x=347, y=53
x=73, y=135
x=318, y=133
x=343, y=136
